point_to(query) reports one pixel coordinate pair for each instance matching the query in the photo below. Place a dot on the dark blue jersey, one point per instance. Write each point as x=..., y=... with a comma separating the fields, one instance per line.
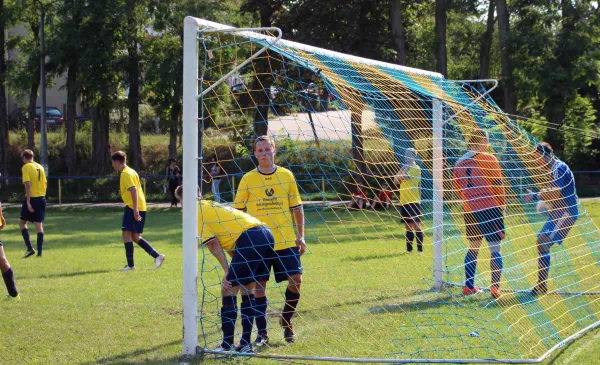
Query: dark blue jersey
x=563, y=178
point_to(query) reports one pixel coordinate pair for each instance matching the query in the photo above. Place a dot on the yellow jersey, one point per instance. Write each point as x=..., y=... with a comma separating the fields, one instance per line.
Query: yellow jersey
x=129, y=179
x=34, y=174
x=224, y=223
x=410, y=191
x=270, y=198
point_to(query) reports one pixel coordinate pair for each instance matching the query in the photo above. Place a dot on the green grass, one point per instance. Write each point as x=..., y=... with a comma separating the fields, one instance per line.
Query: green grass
x=362, y=296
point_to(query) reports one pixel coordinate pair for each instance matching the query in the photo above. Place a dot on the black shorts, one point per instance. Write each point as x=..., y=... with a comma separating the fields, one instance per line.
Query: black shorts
x=488, y=223
x=285, y=264
x=411, y=212
x=252, y=248
x=130, y=224
x=39, y=210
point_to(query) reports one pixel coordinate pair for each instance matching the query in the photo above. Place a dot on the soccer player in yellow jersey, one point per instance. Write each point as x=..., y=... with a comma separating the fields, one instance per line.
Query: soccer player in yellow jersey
x=270, y=193
x=5, y=268
x=134, y=216
x=248, y=241
x=409, y=179
x=34, y=205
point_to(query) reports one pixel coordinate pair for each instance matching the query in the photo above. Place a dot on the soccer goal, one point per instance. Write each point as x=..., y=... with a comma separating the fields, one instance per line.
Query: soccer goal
x=368, y=141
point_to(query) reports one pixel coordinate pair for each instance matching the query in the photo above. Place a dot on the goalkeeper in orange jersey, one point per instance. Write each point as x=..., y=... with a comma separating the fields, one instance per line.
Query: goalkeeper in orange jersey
x=249, y=242
x=479, y=184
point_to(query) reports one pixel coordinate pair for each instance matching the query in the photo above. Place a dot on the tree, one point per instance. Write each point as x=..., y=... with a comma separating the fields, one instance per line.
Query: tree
x=510, y=98
x=134, y=27
x=486, y=42
x=441, y=58
x=398, y=31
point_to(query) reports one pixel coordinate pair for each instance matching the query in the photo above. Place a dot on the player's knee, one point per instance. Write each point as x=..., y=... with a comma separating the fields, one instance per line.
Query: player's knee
x=543, y=243
x=295, y=282
x=4, y=264
x=22, y=224
x=260, y=290
x=495, y=247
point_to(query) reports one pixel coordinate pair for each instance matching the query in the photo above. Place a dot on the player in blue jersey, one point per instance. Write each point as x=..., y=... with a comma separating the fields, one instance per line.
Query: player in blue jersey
x=561, y=200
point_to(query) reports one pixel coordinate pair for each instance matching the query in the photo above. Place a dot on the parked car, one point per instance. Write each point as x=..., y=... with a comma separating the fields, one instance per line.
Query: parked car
x=54, y=118
x=17, y=119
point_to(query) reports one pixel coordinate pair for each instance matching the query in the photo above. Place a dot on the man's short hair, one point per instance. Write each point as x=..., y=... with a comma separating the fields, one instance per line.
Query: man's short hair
x=172, y=160
x=477, y=138
x=262, y=139
x=28, y=154
x=544, y=148
x=119, y=156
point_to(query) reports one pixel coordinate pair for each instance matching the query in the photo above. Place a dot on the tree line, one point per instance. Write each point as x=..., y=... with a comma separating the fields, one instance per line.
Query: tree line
x=544, y=52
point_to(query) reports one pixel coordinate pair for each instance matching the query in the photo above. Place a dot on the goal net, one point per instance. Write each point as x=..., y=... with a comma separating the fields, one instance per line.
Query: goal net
x=367, y=141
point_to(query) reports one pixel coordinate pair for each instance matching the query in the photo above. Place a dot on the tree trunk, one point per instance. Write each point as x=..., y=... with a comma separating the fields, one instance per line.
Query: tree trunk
x=398, y=32
x=510, y=98
x=176, y=109
x=486, y=43
x=262, y=81
x=133, y=99
x=101, y=149
x=72, y=90
x=3, y=99
x=441, y=60
x=33, y=93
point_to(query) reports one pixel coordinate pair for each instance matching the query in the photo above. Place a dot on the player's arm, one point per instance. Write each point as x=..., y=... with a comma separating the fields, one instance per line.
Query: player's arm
x=27, y=183
x=217, y=251
x=457, y=179
x=2, y=221
x=498, y=184
x=241, y=196
x=298, y=213
x=401, y=175
x=134, y=200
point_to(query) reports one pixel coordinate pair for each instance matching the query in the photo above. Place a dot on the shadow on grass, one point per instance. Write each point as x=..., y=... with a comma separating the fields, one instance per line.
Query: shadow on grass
x=424, y=301
x=126, y=358
x=376, y=256
x=72, y=274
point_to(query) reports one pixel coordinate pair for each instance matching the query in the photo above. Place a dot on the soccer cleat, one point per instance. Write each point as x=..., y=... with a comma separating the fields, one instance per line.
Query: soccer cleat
x=29, y=253
x=419, y=252
x=222, y=348
x=495, y=291
x=14, y=299
x=262, y=340
x=128, y=268
x=288, y=331
x=244, y=349
x=539, y=290
x=159, y=260
x=469, y=291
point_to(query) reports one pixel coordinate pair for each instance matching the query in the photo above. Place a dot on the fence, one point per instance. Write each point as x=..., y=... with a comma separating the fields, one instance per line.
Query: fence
x=64, y=189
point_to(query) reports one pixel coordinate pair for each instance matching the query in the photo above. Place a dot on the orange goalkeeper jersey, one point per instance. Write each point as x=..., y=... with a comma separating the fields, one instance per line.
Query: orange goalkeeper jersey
x=478, y=182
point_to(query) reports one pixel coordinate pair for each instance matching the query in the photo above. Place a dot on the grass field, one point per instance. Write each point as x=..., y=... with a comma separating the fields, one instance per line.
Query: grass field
x=362, y=296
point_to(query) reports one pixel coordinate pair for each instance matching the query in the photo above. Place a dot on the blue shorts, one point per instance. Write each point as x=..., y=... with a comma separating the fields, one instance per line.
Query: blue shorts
x=411, y=212
x=39, y=210
x=557, y=228
x=488, y=223
x=130, y=224
x=252, y=248
x=285, y=263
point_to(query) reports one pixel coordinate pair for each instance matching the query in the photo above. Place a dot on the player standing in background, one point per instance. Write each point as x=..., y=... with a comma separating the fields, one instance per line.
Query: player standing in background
x=270, y=193
x=409, y=180
x=34, y=205
x=563, y=212
x=479, y=184
x=134, y=216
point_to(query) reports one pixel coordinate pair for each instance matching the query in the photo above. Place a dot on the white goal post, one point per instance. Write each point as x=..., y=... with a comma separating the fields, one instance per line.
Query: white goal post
x=192, y=159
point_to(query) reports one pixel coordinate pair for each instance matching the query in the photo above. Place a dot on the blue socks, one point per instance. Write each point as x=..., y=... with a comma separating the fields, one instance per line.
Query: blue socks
x=470, y=268
x=9, y=280
x=248, y=313
x=261, y=315
x=129, y=253
x=40, y=243
x=228, y=319
x=419, y=241
x=146, y=246
x=25, y=234
x=496, y=265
